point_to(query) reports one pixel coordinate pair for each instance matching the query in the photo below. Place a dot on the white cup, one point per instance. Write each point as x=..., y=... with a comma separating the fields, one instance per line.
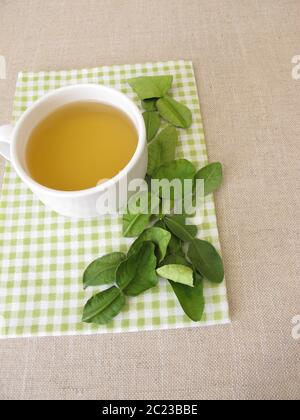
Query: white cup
x=75, y=204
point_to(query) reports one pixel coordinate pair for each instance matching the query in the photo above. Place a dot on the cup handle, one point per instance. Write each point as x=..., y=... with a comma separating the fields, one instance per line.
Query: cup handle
x=5, y=138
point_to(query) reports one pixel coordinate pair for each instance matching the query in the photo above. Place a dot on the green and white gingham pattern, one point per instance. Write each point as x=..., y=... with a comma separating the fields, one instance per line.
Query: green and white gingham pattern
x=43, y=255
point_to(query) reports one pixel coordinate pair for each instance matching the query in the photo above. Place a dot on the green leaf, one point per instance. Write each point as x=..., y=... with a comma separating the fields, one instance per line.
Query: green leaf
x=178, y=273
x=212, y=175
x=104, y=306
x=103, y=270
x=191, y=299
x=149, y=87
x=174, y=112
x=206, y=260
x=152, y=123
x=135, y=224
x=177, y=225
x=137, y=274
x=162, y=149
x=175, y=244
x=149, y=104
x=159, y=237
x=176, y=169
x=181, y=170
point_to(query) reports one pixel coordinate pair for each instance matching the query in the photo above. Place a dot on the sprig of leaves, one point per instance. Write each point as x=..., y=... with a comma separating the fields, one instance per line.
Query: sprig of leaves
x=154, y=94
x=170, y=248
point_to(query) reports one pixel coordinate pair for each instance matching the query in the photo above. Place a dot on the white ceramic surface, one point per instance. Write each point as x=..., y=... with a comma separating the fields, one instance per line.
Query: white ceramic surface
x=74, y=204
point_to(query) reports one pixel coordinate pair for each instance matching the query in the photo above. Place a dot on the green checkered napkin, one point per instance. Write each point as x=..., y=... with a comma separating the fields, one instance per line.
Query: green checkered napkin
x=43, y=255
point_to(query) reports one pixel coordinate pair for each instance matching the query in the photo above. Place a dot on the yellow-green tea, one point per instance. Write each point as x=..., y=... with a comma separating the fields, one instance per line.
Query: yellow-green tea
x=79, y=145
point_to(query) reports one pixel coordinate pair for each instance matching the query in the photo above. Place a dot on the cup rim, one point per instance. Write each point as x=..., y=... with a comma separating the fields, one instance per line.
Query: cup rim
x=141, y=130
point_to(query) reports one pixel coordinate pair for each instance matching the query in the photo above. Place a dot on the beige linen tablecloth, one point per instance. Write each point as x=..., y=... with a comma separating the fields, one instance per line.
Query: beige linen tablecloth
x=242, y=52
